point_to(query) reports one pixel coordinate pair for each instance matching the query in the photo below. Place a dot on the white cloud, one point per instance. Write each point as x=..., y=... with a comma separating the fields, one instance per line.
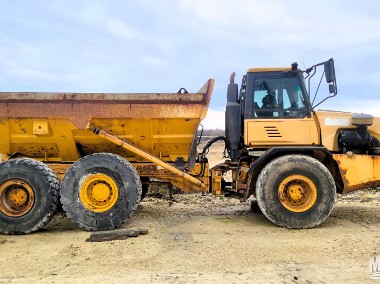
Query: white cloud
x=120, y=29
x=23, y=71
x=214, y=120
x=153, y=61
x=276, y=25
x=116, y=46
x=354, y=105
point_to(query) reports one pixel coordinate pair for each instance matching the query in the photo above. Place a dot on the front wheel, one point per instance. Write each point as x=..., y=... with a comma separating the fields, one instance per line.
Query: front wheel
x=295, y=191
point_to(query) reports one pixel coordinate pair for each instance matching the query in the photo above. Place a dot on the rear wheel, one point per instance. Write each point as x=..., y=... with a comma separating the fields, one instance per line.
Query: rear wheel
x=100, y=191
x=29, y=193
x=295, y=191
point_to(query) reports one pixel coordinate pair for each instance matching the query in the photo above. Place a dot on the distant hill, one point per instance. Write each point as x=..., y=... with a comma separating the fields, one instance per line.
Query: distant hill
x=212, y=132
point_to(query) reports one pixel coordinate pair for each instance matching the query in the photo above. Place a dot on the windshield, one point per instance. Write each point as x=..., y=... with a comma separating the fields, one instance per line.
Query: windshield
x=278, y=97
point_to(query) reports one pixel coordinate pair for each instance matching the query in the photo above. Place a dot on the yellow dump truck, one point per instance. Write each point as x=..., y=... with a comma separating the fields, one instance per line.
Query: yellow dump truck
x=96, y=153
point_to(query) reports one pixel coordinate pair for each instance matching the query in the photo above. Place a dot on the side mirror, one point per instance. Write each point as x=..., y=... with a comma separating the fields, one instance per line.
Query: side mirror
x=332, y=89
x=330, y=72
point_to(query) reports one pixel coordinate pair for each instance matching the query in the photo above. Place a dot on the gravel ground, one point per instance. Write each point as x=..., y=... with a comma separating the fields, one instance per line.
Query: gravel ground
x=203, y=239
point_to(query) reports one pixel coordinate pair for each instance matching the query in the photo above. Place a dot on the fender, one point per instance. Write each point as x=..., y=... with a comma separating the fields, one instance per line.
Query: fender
x=274, y=152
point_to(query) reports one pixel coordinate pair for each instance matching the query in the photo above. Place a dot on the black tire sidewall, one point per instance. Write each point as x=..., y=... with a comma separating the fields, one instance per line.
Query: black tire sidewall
x=45, y=196
x=112, y=166
x=277, y=171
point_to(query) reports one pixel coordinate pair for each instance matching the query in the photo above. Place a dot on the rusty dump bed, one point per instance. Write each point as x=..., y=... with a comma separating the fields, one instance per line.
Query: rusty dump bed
x=52, y=126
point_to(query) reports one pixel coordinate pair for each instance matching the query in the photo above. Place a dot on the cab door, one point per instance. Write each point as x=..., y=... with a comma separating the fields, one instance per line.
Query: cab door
x=281, y=115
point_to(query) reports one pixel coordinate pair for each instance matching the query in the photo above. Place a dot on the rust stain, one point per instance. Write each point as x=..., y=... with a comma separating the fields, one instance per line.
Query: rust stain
x=111, y=98
x=361, y=186
x=134, y=117
x=151, y=170
x=80, y=114
x=358, y=171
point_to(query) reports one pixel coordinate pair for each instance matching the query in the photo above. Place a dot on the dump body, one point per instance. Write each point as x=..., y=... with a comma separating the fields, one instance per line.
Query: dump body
x=51, y=127
x=94, y=153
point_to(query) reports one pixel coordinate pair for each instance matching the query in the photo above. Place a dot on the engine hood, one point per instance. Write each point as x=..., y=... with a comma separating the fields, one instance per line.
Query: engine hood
x=332, y=122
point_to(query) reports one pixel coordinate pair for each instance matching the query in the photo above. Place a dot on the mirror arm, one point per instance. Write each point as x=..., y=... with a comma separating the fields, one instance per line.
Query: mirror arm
x=325, y=99
x=314, y=69
x=310, y=73
x=316, y=92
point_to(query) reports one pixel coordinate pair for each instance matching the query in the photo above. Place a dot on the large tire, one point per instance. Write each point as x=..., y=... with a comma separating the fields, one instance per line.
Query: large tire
x=29, y=194
x=100, y=192
x=295, y=191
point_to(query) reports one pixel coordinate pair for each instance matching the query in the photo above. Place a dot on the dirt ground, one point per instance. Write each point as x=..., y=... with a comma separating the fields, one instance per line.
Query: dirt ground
x=203, y=239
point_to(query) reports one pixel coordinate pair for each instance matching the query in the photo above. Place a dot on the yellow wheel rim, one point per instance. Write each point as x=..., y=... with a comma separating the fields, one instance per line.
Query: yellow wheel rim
x=297, y=193
x=16, y=198
x=98, y=192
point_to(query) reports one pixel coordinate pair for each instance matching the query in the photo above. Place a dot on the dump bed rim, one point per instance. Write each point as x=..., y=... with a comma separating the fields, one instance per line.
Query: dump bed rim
x=99, y=97
x=203, y=96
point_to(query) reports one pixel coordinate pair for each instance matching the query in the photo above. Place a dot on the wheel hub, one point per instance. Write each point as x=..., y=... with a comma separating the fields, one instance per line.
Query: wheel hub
x=98, y=192
x=101, y=192
x=16, y=198
x=297, y=193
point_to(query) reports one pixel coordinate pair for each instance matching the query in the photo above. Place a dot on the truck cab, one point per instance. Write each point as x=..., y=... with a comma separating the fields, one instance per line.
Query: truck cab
x=291, y=158
x=277, y=110
x=273, y=108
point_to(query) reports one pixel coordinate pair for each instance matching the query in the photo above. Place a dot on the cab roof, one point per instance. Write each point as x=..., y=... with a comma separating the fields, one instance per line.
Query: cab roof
x=269, y=69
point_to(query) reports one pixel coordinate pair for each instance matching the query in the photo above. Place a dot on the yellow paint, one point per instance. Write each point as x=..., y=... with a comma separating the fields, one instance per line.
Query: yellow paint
x=147, y=156
x=216, y=182
x=358, y=171
x=40, y=127
x=186, y=185
x=16, y=198
x=269, y=69
x=98, y=192
x=51, y=127
x=57, y=140
x=265, y=133
x=333, y=122
x=297, y=193
x=150, y=170
x=374, y=129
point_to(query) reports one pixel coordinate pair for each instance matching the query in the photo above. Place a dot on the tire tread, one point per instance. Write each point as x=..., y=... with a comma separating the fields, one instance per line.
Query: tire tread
x=54, y=184
x=136, y=180
x=278, y=162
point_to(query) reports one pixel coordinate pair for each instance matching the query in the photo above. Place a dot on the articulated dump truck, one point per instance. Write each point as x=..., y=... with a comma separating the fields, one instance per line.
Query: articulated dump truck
x=97, y=153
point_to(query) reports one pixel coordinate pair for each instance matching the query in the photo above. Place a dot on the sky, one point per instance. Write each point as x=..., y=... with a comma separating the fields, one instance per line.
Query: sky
x=160, y=46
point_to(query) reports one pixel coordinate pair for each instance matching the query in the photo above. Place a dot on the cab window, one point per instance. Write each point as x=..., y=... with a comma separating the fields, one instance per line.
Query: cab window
x=278, y=98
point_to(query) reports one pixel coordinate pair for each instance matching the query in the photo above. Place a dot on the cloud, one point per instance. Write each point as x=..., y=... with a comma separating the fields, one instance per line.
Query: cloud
x=120, y=45
x=214, y=119
x=24, y=71
x=354, y=105
x=120, y=29
x=276, y=25
x=152, y=61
